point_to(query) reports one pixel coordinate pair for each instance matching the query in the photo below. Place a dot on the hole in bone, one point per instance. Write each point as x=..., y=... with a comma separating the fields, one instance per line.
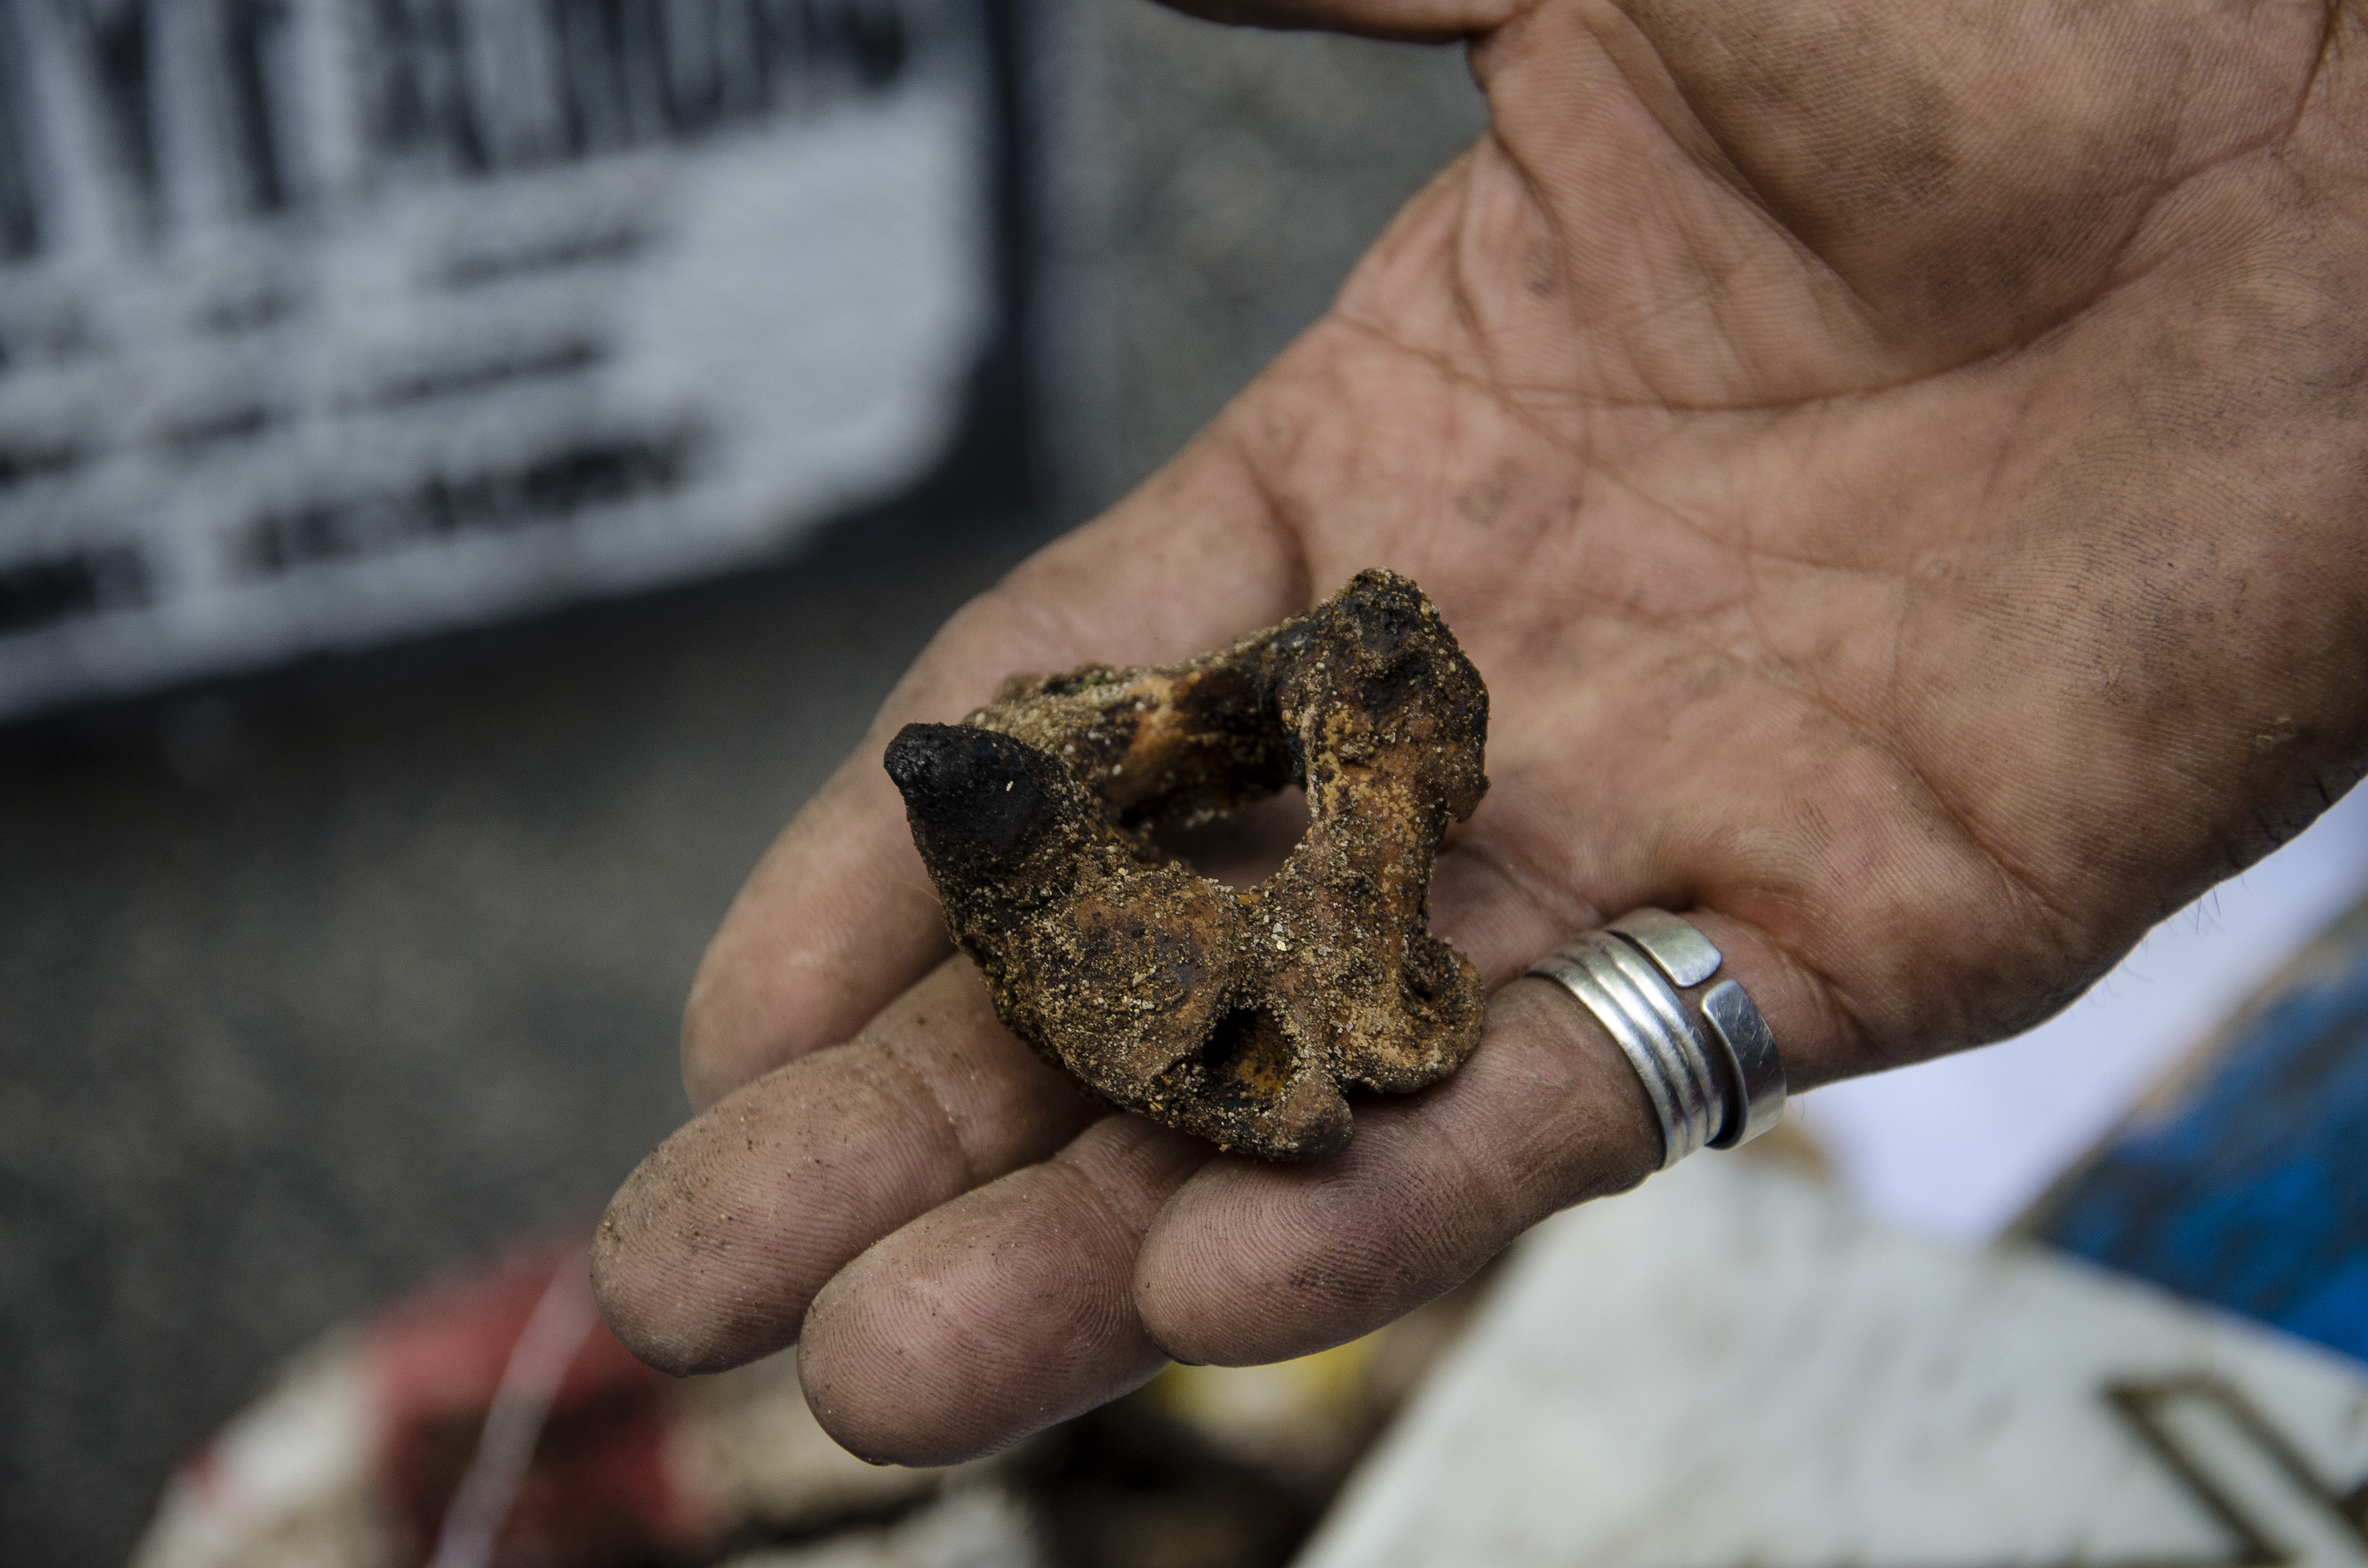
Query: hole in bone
x=1247, y=1057
x=1243, y=849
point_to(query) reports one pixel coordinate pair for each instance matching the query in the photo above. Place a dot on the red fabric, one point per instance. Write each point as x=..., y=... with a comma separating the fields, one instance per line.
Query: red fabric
x=596, y=1492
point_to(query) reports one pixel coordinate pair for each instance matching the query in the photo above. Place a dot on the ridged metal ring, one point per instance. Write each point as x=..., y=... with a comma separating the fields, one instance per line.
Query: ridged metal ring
x=1703, y=1051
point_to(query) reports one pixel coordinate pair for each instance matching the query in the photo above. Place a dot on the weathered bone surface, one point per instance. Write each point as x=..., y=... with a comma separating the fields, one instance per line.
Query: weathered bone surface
x=1237, y=1015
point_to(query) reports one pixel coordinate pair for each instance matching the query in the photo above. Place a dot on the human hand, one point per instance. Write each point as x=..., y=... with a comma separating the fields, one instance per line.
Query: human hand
x=1899, y=469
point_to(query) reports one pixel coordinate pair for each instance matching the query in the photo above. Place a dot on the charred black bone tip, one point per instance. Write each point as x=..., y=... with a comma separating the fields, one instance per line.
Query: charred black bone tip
x=976, y=800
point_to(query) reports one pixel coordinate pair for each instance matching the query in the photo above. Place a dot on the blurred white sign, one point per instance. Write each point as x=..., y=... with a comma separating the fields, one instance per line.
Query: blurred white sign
x=328, y=320
x=1961, y=1146
x=1727, y=1368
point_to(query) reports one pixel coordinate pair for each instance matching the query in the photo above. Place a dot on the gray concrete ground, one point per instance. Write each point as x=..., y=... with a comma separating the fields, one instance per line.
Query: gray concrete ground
x=387, y=976
x=1227, y=180
x=312, y=988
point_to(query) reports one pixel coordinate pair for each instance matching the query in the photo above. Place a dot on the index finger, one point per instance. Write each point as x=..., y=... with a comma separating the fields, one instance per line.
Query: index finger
x=838, y=917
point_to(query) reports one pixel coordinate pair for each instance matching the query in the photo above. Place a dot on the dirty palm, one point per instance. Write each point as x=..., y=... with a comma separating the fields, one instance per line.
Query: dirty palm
x=1896, y=469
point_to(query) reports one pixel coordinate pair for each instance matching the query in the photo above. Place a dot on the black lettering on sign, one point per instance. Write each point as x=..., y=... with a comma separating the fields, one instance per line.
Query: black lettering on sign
x=22, y=462
x=564, y=253
x=423, y=102
x=20, y=226
x=550, y=489
x=611, y=72
x=239, y=422
x=452, y=87
x=711, y=65
x=621, y=74
x=867, y=35
x=117, y=42
x=255, y=71
x=39, y=593
x=800, y=43
x=484, y=375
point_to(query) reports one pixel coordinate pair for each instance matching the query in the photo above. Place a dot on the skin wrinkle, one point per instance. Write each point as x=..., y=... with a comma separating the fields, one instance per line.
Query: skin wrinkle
x=1463, y=296
x=1831, y=986
x=1059, y=638
x=921, y=1136
x=2330, y=44
x=2112, y=278
x=1521, y=399
x=2004, y=452
x=831, y=1410
x=1473, y=1174
x=2023, y=885
x=1283, y=522
x=1353, y=1258
x=1071, y=1215
x=1436, y=1254
x=703, y=1007
x=1716, y=295
x=1913, y=579
x=2020, y=886
x=2019, y=881
x=1527, y=881
x=1553, y=1177
x=1577, y=445
x=1744, y=550
x=1104, y=1202
x=1470, y=309
x=1541, y=208
x=1064, y=641
x=2110, y=275
x=1801, y=250
x=940, y=1121
x=1462, y=299
x=1724, y=168
x=1716, y=279
x=1843, y=1018
x=934, y=1132
x=1585, y=916
x=1484, y=504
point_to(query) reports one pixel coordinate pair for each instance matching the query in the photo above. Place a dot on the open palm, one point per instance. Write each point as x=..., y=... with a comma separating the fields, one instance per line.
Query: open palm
x=1898, y=467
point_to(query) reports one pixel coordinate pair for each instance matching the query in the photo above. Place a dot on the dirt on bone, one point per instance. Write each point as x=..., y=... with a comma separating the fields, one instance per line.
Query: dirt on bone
x=1239, y=1017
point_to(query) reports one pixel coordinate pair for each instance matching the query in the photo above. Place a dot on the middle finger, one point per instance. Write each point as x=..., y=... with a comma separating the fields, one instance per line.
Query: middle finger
x=1007, y=1310
x=713, y=1247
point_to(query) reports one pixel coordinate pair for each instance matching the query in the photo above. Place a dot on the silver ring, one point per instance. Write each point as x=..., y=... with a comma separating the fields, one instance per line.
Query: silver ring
x=1704, y=1052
